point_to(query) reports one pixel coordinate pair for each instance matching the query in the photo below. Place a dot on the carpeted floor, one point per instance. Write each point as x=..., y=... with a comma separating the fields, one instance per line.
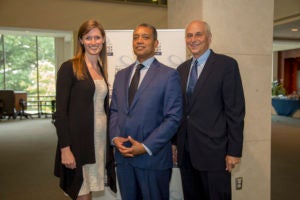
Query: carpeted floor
x=285, y=158
x=26, y=160
x=27, y=155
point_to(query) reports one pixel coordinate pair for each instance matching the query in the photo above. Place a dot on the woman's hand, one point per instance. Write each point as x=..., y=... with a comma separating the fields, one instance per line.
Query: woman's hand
x=67, y=158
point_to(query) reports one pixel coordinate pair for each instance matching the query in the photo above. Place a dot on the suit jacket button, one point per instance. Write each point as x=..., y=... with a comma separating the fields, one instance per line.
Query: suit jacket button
x=187, y=117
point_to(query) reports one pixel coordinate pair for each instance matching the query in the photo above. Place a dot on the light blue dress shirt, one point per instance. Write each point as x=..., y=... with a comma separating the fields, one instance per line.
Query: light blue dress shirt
x=201, y=62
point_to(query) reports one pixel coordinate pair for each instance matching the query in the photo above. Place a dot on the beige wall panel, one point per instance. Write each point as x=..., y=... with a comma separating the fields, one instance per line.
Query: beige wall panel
x=69, y=14
x=242, y=27
x=257, y=89
x=255, y=171
x=286, y=8
x=181, y=12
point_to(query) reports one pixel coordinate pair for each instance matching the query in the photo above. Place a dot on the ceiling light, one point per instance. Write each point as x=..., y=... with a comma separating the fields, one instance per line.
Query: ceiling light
x=294, y=29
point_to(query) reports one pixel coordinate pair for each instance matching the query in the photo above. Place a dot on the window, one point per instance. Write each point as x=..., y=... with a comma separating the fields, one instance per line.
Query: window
x=2, y=74
x=28, y=63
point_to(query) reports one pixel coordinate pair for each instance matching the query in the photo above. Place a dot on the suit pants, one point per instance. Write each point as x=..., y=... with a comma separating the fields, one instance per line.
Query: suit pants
x=204, y=185
x=143, y=184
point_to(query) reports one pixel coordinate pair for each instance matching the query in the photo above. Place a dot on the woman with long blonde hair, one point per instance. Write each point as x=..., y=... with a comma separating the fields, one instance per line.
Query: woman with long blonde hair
x=83, y=150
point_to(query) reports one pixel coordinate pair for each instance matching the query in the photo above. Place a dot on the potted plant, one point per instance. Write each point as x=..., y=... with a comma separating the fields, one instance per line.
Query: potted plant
x=277, y=89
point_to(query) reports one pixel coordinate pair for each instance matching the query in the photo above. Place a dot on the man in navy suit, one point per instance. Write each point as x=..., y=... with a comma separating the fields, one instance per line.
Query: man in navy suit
x=143, y=121
x=210, y=138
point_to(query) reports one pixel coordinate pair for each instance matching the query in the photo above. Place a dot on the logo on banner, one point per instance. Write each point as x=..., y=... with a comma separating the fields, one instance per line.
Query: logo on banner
x=109, y=48
x=158, y=51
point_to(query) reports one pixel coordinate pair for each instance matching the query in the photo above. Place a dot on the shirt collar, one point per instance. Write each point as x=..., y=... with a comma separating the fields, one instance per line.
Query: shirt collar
x=146, y=63
x=203, y=57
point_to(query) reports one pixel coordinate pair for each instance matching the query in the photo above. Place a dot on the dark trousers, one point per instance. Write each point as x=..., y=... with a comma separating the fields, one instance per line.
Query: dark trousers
x=143, y=184
x=204, y=185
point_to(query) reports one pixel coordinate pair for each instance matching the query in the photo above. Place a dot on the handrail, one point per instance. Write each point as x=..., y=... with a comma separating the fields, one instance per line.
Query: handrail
x=42, y=105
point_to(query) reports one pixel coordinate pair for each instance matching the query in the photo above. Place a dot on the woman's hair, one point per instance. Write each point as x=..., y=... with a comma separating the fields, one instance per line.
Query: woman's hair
x=78, y=60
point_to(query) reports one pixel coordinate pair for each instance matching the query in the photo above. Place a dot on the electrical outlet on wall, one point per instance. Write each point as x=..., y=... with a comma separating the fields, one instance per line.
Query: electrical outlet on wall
x=238, y=183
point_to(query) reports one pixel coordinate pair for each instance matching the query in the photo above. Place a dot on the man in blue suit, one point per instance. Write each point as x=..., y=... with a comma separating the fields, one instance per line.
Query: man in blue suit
x=146, y=109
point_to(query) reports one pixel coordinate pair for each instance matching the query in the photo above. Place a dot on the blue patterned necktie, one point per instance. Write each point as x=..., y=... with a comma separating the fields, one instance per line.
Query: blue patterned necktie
x=192, y=80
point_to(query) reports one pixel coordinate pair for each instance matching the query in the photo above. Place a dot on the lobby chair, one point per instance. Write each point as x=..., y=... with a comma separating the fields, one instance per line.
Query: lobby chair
x=7, y=98
x=23, y=106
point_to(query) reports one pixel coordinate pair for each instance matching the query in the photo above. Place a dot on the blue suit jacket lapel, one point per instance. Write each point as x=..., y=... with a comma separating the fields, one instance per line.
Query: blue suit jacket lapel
x=127, y=82
x=150, y=75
